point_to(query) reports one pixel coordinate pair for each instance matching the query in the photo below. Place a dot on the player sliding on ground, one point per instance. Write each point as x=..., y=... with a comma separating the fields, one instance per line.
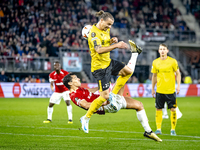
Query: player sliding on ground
x=84, y=97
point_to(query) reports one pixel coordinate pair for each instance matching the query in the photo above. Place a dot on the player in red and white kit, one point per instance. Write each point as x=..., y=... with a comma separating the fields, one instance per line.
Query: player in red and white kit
x=83, y=98
x=56, y=78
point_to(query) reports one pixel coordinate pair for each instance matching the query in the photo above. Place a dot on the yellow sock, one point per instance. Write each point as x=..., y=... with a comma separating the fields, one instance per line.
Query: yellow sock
x=121, y=81
x=94, y=106
x=173, y=120
x=159, y=119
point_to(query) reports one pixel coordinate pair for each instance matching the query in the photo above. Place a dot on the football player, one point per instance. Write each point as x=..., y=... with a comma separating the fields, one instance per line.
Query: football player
x=60, y=92
x=84, y=97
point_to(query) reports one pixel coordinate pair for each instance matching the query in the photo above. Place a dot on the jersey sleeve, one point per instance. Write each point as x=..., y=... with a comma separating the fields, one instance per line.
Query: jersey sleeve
x=153, y=69
x=76, y=99
x=51, y=77
x=175, y=65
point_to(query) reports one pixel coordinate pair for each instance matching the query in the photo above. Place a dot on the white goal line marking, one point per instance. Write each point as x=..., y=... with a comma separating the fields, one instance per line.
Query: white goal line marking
x=59, y=136
x=187, y=136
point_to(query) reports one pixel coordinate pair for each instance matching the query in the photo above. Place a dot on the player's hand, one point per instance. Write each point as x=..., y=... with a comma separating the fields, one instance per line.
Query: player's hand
x=178, y=89
x=114, y=40
x=153, y=93
x=122, y=45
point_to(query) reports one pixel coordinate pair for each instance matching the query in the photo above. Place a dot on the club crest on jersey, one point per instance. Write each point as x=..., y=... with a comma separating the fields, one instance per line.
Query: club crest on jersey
x=93, y=34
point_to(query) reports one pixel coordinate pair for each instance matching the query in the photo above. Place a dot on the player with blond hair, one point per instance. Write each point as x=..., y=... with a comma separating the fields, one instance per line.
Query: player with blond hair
x=102, y=66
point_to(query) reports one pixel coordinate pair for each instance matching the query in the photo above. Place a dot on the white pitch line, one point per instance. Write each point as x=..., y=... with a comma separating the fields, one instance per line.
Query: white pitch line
x=187, y=136
x=59, y=136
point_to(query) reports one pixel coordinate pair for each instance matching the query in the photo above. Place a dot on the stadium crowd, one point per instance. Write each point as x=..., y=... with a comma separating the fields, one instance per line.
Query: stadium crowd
x=31, y=29
x=33, y=26
x=193, y=7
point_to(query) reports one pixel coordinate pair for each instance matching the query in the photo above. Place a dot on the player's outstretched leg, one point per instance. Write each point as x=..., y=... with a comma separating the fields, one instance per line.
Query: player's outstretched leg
x=85, y=123
x=134, y=48
x=152, y=136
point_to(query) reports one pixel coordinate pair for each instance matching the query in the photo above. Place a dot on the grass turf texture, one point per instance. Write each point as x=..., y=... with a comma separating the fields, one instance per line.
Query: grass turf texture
x=21, y=127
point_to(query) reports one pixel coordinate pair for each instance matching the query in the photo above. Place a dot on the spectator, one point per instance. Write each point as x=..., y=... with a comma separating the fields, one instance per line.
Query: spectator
x=134, y=79
x=38, y=79
x=26, y=80
x=83, y=80
x=148, y=81
x=3, y=77
x=43, y=80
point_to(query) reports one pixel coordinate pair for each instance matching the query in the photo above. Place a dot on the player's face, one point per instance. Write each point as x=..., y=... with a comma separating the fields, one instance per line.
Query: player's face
x=56, y=66
x=76, y=81
x=163, y=50
x=106, y=24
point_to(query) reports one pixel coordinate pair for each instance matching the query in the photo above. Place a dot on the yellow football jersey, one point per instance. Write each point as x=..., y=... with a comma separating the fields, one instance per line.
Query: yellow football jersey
x=99, y=37
x=165, y=70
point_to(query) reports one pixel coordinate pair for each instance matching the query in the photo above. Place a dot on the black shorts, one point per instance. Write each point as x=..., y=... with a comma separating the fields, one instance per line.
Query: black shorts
x=103, y=76
x=169, y=98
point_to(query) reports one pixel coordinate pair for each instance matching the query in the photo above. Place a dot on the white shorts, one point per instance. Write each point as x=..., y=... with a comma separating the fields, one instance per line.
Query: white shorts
x=56, y=97
x=121, y=102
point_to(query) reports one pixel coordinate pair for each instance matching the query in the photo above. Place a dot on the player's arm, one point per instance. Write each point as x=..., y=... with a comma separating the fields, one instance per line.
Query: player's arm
x=93, y=90
x=178, y=79
x=99, y=49
x=51, y=85
x=113, y=40
x=85, y=104
x=154, y=81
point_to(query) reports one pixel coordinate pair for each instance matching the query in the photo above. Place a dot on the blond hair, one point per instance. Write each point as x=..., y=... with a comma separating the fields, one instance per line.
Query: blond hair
x=104, y=15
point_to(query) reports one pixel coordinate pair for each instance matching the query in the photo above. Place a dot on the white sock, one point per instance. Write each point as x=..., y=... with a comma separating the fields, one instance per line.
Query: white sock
x=86, y=118
x=50, y=112
x=142, y=117
x=69, y=111
x=132, y=62
x=164, y=110
x=178, y=113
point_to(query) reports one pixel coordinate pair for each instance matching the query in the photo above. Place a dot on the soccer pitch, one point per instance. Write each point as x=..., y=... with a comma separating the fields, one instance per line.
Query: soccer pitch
x=21, y=127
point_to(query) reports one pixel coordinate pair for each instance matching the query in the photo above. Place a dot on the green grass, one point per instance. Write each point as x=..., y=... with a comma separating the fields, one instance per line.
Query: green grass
x=21, y=127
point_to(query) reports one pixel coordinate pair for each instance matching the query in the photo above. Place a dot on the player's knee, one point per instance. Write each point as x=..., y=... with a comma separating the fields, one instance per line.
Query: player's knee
x=140, y=106
x=173, y=109
x=105, y=95
x=51, y=104
x=67, y=102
